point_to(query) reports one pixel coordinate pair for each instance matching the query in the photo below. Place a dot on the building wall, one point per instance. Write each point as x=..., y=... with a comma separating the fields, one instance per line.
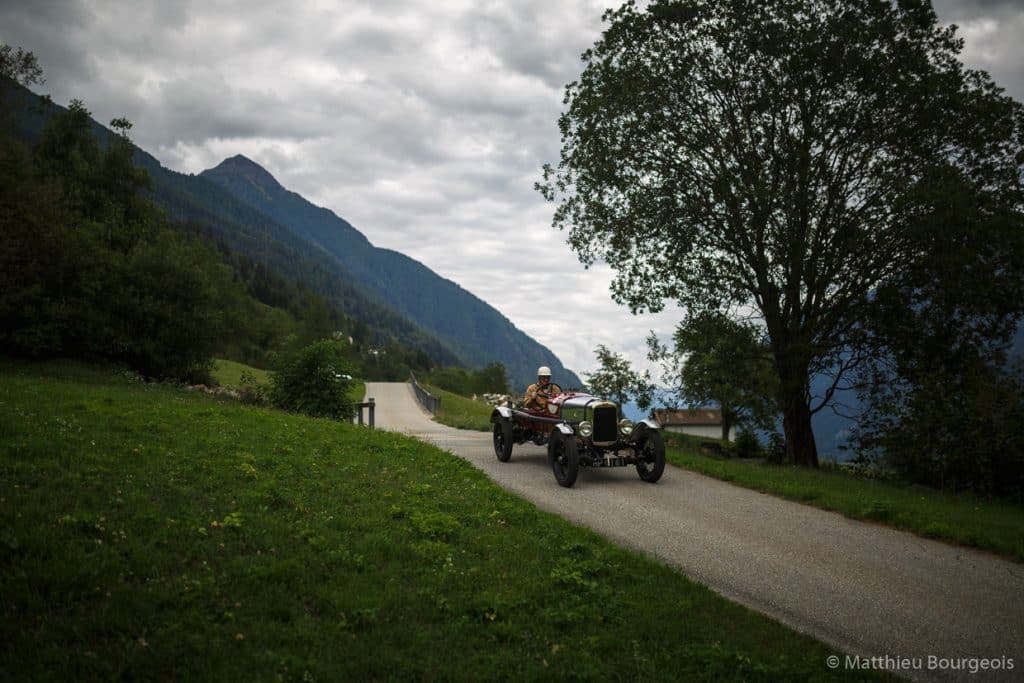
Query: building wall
x=704, y=431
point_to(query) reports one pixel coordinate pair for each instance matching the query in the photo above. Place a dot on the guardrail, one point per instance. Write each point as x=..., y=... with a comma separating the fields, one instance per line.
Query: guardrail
x=430, y=403
x=370, y=406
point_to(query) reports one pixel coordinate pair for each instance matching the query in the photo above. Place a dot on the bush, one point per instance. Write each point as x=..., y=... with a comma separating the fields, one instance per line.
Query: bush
x=776, y=451
x=314, y=381
x=955, y=431
x=747, y=445
x=253, y=393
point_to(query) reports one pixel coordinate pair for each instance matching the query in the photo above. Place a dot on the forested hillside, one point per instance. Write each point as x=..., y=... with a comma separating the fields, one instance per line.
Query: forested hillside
x=283, y=249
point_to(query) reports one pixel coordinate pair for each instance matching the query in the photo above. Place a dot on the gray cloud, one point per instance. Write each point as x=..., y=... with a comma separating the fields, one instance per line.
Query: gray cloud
x=423, y=124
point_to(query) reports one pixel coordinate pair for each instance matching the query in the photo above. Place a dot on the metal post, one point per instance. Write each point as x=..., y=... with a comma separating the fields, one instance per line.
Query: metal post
x=372, y=405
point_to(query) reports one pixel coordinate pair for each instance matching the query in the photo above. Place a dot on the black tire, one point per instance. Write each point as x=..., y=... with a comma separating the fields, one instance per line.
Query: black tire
x=503, y=440
x=564, y=458
x=651, y=454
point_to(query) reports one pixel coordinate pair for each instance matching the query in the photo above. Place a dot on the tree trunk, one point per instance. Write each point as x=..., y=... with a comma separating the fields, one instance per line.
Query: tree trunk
x=728, y=420
x=796, y=425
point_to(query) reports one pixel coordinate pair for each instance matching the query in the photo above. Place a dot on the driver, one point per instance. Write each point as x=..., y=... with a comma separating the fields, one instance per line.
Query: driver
x=537, y=395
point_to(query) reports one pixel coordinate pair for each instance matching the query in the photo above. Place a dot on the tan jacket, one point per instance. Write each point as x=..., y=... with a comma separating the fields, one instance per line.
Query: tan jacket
x=536, y=396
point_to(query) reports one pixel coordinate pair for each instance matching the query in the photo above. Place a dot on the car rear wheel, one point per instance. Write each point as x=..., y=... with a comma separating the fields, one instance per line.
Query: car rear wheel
x=503, y=440
x=651, y=454
x=564, y=458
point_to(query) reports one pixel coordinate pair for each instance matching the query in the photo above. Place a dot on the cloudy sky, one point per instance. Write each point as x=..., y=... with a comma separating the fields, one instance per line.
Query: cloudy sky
x=422, y=124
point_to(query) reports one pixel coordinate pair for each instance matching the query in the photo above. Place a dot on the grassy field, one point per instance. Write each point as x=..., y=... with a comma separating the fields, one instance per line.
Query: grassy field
x=152, y=533
x=461, y=412
x=959, y=518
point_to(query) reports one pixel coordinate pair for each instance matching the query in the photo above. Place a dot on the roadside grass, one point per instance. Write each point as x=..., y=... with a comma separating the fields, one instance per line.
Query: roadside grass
x=228, y=373
x=965, y=519
x=461, y=412
x=157, y=534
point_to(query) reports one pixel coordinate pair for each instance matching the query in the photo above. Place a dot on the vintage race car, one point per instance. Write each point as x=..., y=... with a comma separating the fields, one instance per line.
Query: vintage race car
x=581, y=431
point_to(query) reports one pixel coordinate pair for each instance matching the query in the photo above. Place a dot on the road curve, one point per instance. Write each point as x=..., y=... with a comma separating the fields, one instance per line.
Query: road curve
x=869, y=590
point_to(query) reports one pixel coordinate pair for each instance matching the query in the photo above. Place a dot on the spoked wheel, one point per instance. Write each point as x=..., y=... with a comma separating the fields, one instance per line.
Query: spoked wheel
x=564, y=458
x=503, y=440
x=651, y=452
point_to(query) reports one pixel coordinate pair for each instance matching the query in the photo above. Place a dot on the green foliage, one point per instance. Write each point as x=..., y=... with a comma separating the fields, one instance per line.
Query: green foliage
x=452, y=378
x=253, y=392
x=775, y=453
x=89, y=268
x=20, y=65
x=747, y=445
x=314, y=381
x=717, y=360
x=944, y=406
x=615, y=379
x=492, y=379
x=958, y=428
x=777, y=158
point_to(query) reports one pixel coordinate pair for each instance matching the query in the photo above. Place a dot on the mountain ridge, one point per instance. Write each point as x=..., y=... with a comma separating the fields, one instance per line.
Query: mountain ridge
x=473, y=328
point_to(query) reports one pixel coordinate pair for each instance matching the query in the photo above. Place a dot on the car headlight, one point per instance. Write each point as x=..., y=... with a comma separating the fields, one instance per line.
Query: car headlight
x=586, y=429
x=626, y=427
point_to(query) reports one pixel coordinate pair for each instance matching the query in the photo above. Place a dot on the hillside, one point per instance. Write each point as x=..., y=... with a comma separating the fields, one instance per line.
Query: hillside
x=243, y=208
x=476, y=331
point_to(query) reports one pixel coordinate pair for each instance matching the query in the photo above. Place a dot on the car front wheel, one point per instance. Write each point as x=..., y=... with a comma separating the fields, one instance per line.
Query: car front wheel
x=564, y=457
x=651, y=454
x=503, y=440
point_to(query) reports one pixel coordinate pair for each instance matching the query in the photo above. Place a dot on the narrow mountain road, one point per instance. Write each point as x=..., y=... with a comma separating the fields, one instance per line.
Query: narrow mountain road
x=935, y=610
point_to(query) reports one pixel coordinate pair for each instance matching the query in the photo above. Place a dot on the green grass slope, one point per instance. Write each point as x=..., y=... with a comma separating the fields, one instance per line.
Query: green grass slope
x=151, y=533
x=461, y=412
x=228, y=373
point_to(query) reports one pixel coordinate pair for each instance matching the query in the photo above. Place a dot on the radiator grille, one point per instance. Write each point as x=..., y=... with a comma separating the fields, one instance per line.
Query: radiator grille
x=605, y=424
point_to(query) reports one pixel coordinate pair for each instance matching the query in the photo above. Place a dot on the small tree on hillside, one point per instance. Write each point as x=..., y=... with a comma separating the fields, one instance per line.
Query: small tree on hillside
x=616, y=379
x=492, y=379
x=314, y=381
x=718, y=360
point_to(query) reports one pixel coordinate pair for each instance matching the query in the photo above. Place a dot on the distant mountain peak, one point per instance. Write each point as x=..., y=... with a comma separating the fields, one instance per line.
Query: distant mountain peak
x=244, y=167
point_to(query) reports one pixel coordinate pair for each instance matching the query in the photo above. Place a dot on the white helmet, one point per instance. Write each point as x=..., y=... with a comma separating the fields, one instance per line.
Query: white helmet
x=543, y=371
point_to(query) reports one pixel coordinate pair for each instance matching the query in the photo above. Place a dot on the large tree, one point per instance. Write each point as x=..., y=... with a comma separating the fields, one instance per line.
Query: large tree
x=776, y=156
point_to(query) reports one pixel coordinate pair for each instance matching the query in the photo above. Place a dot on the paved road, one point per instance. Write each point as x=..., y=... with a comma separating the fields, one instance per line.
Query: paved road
x=866, y=589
